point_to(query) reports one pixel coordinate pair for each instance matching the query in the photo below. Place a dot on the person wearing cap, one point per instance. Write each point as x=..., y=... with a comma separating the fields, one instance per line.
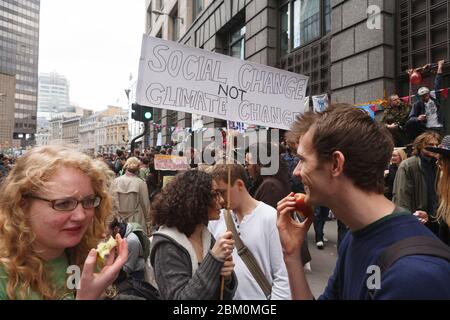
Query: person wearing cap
x=426, y=113
x=443, y=188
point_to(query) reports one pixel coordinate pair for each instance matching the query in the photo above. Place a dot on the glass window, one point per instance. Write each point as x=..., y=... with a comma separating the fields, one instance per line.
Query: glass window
x=159, y=5
x=296, y=23
x=327, y=13
x=175, y=25
x=197, y=7
x=285, y=28
x=236, y=43
x=307, y=13
x=149, y=18
x=302, y=21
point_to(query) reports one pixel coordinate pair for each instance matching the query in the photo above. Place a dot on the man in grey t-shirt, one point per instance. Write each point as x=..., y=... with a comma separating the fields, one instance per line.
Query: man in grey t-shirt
x=426, y=113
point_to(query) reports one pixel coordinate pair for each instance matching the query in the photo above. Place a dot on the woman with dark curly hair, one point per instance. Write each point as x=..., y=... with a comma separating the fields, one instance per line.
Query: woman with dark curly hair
x=187, y=261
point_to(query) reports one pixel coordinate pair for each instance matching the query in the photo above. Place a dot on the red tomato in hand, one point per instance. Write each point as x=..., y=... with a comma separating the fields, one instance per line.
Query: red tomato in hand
x=304, y=209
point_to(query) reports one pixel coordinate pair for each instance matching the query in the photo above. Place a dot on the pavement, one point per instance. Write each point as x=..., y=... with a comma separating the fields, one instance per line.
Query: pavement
x=323, y=261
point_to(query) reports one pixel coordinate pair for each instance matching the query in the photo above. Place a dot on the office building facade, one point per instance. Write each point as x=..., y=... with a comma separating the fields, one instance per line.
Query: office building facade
x=19, y=46
x=53, y=95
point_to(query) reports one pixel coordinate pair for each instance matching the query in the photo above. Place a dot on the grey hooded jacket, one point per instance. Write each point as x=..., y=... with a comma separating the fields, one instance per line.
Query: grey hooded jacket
x=178, y=274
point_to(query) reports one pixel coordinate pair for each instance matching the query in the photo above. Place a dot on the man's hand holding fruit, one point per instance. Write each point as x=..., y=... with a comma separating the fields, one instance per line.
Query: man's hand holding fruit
x=292, y=231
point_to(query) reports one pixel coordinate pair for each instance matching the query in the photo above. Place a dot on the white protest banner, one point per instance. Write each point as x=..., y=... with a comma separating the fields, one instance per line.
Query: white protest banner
x=181, y=78
x=320, y=103
x=170, y=163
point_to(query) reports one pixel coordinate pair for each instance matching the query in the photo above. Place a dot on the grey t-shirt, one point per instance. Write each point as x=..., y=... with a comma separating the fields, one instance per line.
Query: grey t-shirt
x=136, y=261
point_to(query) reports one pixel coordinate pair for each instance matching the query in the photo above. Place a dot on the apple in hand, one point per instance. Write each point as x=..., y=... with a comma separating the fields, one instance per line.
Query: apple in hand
x=302, y=208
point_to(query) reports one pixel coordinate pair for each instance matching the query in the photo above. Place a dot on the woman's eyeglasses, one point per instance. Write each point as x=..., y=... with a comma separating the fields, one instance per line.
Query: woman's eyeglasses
x=69, y=204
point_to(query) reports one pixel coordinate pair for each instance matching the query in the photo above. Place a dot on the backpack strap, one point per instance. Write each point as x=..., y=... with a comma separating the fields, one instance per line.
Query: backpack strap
x=412, y=246
x=420, y=245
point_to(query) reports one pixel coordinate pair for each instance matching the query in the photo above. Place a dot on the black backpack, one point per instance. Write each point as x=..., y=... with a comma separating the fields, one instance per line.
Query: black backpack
x=133, y=289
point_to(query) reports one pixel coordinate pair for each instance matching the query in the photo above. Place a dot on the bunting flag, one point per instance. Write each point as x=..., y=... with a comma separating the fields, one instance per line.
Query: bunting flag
x=443, y=92
x=238, y=126
x=380, y=104
x=405, y=100
x=369, y=110
x=320, y=102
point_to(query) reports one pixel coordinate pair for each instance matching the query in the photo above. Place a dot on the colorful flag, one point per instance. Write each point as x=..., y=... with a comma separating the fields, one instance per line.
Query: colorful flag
x=320, y=103
x=369, y=110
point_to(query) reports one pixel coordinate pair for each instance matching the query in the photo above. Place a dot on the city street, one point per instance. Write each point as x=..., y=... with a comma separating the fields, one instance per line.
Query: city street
x=124, y=137
x=323, y=261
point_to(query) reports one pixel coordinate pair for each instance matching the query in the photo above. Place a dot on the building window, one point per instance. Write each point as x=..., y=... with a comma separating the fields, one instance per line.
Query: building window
x=424, y=28
x=303, y=21
x=236, y=42
x=197, y=7
x=149, y=18
x=159, y=5
x=175, y=24
x=327, y=16
x=285, y=28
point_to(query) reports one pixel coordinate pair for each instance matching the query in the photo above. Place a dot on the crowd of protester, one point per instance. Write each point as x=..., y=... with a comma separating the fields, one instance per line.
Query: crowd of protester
x=385, y=182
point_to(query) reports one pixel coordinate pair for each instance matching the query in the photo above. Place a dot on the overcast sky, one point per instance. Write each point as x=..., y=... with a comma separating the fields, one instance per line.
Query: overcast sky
x=95, y=44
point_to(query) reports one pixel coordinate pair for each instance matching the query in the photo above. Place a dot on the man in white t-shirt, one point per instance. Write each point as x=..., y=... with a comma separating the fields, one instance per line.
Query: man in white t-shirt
x=255, y=223
x=426, y=114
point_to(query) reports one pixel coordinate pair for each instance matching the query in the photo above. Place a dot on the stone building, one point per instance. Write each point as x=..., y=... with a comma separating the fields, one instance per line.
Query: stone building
x=355, y=51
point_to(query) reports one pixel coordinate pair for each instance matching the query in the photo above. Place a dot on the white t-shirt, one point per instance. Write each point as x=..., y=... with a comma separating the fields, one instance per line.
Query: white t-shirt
x=258, y=231
x=432, y=115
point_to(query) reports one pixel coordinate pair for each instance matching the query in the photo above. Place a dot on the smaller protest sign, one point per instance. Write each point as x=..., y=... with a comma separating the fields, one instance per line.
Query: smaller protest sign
x=170, y=163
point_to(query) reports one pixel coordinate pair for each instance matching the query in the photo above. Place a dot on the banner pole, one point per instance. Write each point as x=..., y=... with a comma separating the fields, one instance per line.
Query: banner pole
x=229, y=157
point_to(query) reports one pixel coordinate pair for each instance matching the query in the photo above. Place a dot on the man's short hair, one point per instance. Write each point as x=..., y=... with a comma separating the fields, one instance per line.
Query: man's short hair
x=220, y=173
x=392, y=96
x=366, y=145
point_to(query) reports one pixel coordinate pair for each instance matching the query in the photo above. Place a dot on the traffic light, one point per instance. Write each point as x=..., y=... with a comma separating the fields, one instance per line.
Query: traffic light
x=141, y=113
